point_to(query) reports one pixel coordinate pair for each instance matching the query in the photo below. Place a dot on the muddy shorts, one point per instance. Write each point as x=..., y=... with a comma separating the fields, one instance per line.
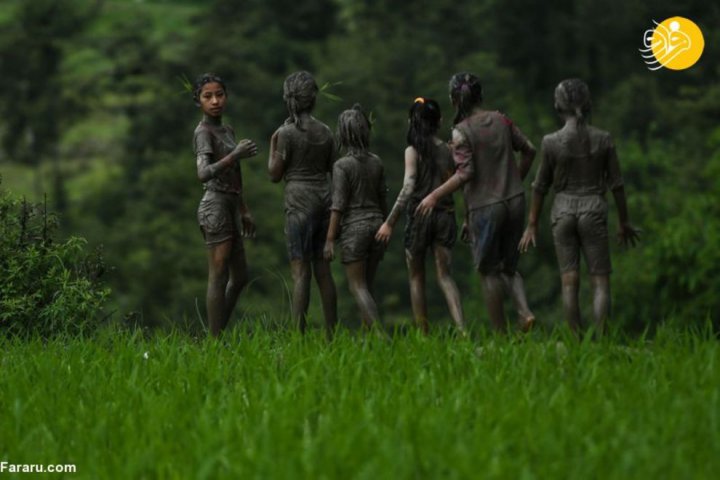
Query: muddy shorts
x=579, y=223
x=438, y=228
x=495, y=232
x=357, y=241
x=305, y=234
x=219, y=217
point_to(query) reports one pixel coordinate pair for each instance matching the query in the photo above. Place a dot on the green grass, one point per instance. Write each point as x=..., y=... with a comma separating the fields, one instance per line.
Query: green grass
x=275, y=405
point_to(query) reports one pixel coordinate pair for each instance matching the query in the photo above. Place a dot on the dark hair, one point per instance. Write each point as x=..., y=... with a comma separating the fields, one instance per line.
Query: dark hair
x=353, y=129
x=201, y=81
x=299, y=93
x=572, y=98
x=466, y=93
x=424, y=123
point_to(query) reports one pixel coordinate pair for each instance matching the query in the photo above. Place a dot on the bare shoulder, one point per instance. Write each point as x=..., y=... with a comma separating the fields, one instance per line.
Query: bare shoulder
x=410, y=151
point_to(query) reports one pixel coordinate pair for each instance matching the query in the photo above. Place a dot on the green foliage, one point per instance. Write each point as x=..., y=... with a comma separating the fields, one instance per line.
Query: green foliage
x=276, y=405
x=100, y=79
x=47, y=287
x=676, y=272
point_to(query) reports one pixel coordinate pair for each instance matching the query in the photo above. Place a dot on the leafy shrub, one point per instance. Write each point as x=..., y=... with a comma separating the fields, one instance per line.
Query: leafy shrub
x=46, y=287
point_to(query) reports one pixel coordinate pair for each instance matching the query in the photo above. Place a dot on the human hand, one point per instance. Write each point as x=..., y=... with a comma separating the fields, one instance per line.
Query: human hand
x=329, y=250
x=528, y=238
x=628, y=236
x=465, y=232
x=383, y=234
x=426, y=206
x=244, y=149
x=248, y=226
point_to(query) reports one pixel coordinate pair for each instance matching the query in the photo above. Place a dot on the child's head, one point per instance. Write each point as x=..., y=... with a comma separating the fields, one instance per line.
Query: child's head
x=202, y=81
x=353, y=129
x=423, y=123
x=465, y=94
x=299, y=93
x=572, y=98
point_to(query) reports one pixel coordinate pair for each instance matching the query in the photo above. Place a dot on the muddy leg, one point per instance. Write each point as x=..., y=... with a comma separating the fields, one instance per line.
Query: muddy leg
x=238, y=279
x=515, y=288
x=443, y=262
x=357, y=281
x=570, y=291
x=328, y=295
x=218, y=275
x=601, y=301
x=493, y=290
x=300, y=271
x=416, y=274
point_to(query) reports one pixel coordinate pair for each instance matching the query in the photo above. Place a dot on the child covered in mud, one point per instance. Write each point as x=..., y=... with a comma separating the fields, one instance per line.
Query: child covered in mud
x=359, y=205
x=302, y=153
x=428, y=163
x=484, y=143
x=223, y=215
x=580, y=163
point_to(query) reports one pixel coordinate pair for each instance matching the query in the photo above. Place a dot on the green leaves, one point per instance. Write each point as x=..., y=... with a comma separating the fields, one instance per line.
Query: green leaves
x=48, y=287
x=324, y=91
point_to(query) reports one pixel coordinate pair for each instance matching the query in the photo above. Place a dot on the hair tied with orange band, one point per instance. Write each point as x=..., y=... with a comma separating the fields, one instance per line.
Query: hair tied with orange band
x=419, y=100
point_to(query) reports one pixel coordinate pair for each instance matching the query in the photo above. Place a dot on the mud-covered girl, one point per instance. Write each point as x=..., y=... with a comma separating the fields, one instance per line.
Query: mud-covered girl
x=223, y=214
x=359, y=205
x=428, y=163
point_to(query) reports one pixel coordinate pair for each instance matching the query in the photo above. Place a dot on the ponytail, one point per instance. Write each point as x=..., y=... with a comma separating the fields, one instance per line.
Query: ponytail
x=466, y=93
x=572, y=98
x=424, y=121
x=299, y=93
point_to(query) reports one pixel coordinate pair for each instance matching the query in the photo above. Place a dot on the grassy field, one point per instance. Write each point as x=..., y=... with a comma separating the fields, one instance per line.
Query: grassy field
x=275, y=405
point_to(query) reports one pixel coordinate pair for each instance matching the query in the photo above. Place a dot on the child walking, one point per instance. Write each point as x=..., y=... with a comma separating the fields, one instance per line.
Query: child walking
x=428, y=163
x=359, y=205
x=580, y=163
x=483, y=145
x=302, y=153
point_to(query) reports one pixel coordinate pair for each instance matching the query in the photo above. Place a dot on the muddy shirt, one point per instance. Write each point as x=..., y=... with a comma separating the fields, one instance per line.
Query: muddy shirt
x=359, y=190
x=428, y=179
x=212, y=143
x=308, y=157
x=578, y=169
x=486, y=154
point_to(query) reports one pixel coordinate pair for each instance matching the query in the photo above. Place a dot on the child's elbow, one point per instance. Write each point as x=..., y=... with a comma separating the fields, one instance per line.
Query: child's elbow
x=275, y=177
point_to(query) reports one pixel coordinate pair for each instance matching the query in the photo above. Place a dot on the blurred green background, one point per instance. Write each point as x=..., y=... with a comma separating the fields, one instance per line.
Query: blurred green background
x=93, y=113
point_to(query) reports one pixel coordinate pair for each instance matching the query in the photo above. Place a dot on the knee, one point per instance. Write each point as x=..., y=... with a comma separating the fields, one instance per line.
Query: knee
x=601, y=288
x=571, y=278
x=325, y=282
x=300, y=271
x=444, y=279
x=357, y=288
x=218, y=274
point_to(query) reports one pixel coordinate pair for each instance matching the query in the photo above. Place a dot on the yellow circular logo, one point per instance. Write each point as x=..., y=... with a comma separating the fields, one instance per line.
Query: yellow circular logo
x=676, y=43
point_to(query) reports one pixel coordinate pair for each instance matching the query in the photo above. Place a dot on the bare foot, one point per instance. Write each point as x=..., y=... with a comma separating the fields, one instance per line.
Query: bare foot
x=526, y=323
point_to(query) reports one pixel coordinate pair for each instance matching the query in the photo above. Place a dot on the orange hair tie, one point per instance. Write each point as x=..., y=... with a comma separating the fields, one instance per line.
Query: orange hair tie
x=419, y=100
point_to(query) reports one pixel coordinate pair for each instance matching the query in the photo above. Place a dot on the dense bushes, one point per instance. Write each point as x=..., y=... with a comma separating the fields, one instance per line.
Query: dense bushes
x=47, y=287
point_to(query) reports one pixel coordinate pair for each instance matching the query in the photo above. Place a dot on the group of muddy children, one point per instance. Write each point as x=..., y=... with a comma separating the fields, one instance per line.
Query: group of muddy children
x=341, y=204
